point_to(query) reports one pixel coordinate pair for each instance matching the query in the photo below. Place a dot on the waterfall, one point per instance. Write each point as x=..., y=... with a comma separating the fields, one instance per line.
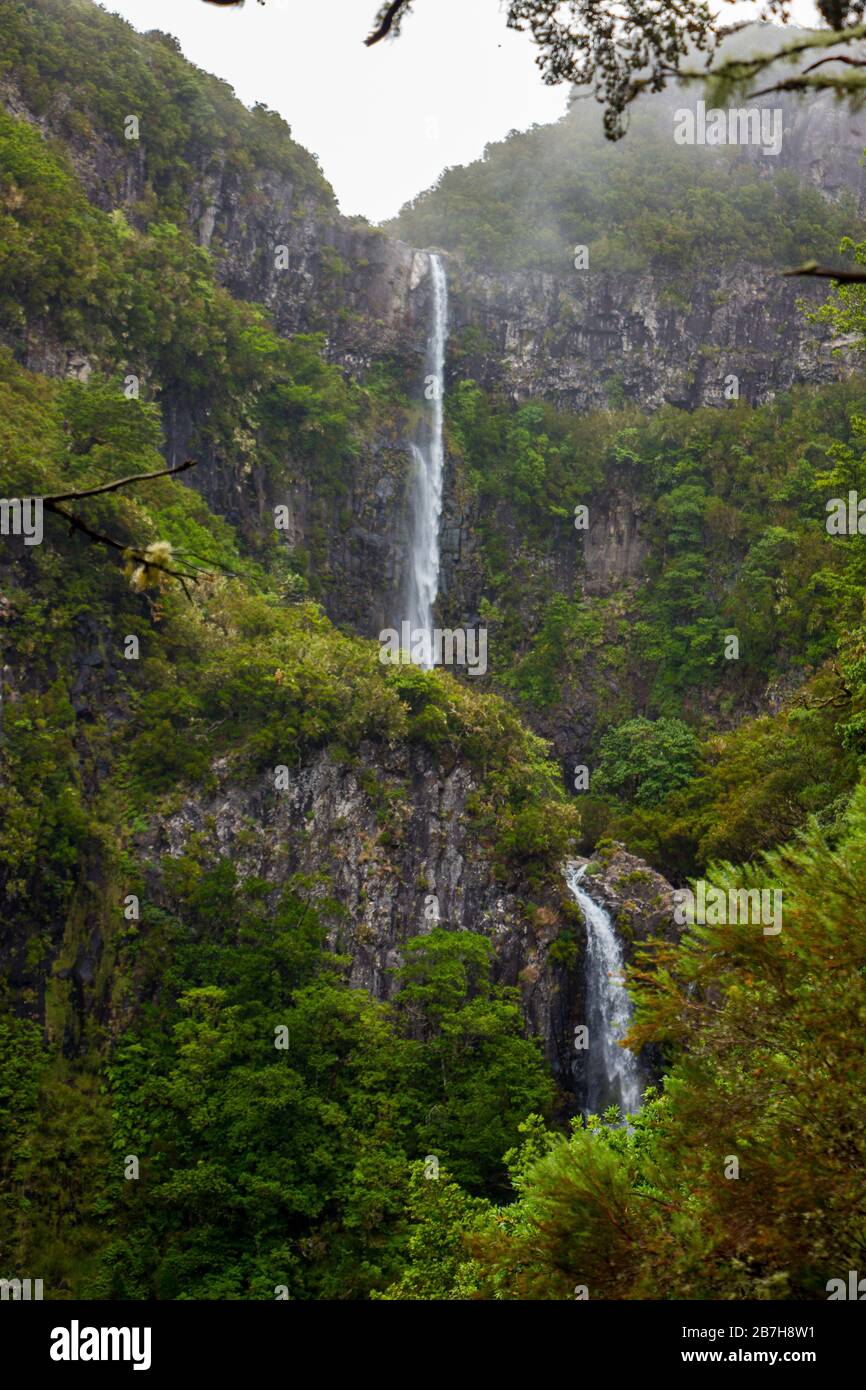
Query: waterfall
x=612, y=1075
x=427, y=468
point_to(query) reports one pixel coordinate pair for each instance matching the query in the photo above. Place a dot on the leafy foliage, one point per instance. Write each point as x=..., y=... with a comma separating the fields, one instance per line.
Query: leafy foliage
x=644, y=761
x=306, y=1167
x=644, y=203
x=191, y=123
x=767, y=1069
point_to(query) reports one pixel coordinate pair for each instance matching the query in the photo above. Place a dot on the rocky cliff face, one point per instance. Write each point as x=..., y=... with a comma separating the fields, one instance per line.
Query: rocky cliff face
x=275, y=243
x=384, y=842
x=580, y=340
x=394, y=838
x=639, y=900
x=591, y=339
x=570, y=339
x=389, y=843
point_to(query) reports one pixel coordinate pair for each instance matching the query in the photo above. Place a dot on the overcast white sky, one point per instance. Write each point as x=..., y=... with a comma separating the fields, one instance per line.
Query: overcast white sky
x=385, y=121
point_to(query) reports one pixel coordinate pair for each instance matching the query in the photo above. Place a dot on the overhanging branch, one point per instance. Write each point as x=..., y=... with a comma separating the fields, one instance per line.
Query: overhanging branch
x=143, y=557
x=120, y=482
x=829, y=272
x=386, y=23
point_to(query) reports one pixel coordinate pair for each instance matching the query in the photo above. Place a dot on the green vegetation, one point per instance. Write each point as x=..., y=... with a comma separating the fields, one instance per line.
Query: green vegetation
x=190, y=123
x=643, y=761
x=196, y=1099
x=768, y=1069
x=147, y=303
x=276, y=1112
x=643, y=203
x=289, y=1165
x=306, y=1155
x=732, y=507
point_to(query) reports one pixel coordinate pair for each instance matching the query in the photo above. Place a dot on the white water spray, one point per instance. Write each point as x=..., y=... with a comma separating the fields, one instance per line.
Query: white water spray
x=613, y=1077
x=428, y=461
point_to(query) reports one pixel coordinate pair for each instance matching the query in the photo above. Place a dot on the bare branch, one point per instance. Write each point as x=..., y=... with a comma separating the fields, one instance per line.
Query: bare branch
x=386, y=23
x=828, y=272
x=77, y=524
x=208, y=559
x=845, y=86
x=837, y=58
x=740, y=69
x=120, y=482
x=838, y=699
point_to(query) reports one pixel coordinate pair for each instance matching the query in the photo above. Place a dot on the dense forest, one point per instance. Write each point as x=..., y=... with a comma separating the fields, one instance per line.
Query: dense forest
x=289, y=971
x=646, y=203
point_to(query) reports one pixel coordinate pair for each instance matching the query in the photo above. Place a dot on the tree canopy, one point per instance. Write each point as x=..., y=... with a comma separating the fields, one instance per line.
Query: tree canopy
x=617, y=52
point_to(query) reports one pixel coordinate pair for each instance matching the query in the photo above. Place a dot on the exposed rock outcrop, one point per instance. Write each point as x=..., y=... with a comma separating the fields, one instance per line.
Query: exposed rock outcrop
x=590, y=338
x=639, y=900
x=390, y=839
x=580, y=339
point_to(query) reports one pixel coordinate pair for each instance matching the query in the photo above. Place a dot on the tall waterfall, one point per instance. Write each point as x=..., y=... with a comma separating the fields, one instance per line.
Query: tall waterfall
x=428, y=459
x=613, y=1077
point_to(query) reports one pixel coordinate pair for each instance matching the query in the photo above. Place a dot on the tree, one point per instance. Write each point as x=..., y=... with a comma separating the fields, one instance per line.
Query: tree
x=618, y=52
x=768, y=1070
x=646, y=761
x=474, y=1076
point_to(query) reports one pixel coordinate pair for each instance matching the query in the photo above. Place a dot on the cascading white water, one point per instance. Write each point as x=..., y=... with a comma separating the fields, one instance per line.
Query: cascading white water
x=428, y=466
x=613, y=1077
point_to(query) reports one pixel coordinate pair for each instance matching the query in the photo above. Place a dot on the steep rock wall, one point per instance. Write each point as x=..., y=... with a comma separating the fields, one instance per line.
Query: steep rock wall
x=391, y=840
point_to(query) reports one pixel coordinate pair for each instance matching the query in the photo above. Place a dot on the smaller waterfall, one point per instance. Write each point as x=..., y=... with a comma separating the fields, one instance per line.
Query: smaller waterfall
x=427, y=470
x=613, y=1077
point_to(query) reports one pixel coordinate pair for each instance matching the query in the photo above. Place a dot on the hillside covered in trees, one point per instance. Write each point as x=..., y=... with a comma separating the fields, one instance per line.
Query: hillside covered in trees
x=643, y=203
x=290, y=974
